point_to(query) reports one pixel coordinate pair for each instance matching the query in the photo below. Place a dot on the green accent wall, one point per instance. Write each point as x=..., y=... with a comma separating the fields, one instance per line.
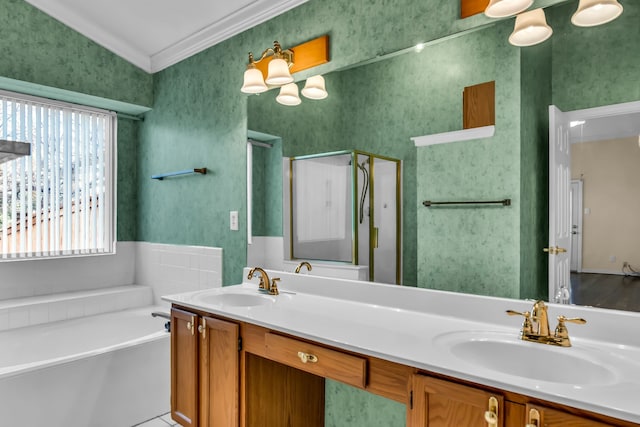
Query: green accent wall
x=267, y=189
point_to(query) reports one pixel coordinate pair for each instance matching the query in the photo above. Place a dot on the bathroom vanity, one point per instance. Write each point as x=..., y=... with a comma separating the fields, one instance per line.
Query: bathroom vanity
x=244, y=358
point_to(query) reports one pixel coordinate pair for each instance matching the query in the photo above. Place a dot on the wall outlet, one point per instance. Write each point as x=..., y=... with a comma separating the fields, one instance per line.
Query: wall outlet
x=233, y=220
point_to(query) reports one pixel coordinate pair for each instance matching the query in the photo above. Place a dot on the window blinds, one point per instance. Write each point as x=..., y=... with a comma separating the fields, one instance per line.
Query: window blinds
x=59, y=200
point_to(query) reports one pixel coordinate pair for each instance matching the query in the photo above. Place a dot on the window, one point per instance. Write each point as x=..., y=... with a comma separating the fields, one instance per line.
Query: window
x=59, y=201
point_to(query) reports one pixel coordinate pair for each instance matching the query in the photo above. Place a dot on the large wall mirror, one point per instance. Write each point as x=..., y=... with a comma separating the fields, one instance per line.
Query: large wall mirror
x=378, y=106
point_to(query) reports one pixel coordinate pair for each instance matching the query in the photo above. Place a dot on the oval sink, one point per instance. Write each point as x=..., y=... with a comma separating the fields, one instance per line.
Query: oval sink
x=507, y=354
x=236, y=299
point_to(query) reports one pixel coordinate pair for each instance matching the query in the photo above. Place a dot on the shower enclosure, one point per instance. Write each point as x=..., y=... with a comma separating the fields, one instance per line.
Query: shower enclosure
x=345, y=207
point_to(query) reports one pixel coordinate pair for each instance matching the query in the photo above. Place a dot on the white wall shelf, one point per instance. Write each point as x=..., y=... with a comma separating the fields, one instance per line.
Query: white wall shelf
x=455, y=136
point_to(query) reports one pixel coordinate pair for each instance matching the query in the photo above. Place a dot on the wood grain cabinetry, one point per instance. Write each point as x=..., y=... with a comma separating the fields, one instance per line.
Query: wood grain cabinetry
x=205, y=370
x=440, y=403
x=278, y=380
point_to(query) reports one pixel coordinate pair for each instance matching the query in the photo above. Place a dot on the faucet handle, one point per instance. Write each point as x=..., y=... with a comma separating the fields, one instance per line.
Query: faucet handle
x=527, y=326
x=561, y=329
x=273, y=287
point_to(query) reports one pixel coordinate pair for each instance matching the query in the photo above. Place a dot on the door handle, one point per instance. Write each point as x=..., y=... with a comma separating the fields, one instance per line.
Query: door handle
x=554, y=250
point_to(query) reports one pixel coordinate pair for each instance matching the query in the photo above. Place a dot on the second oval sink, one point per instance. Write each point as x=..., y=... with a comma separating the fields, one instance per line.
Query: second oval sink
x=508, y=355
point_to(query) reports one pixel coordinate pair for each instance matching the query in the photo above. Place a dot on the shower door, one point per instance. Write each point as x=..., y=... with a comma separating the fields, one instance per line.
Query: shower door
x=322, y=208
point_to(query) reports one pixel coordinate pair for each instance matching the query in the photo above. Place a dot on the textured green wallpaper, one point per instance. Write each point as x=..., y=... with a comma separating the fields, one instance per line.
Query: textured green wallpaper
x=127, y=207
x=346, y=406
x=267, y=190
x=598, y=65
x=473, y=249
x=36, y=48
x=535, y=69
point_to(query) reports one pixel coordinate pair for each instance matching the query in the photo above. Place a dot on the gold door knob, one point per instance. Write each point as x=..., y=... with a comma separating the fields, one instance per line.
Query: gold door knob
x=554, y=250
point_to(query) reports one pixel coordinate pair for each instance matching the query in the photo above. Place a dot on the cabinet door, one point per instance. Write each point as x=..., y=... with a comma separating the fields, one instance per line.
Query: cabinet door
x=219, y=373
x=553, y=418
x=184, y=368
x=439, y=403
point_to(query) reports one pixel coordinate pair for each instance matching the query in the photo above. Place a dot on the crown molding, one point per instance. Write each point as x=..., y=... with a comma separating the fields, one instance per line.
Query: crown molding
x=245, y=18
x=105, y=39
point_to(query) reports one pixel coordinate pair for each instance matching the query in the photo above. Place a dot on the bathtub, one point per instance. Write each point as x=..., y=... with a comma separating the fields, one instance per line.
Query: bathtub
x=107, y=370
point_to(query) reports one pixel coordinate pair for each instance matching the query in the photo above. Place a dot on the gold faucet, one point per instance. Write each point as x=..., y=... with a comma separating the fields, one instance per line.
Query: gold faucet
x=303, y=264
x=265, y=284
x=535, y=327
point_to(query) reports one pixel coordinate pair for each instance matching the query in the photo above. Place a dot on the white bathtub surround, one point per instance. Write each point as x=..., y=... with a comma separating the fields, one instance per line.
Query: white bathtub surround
x=419, y=328
x=33, y=277
x=101, y=371
x=169, y=269
x=21, y=312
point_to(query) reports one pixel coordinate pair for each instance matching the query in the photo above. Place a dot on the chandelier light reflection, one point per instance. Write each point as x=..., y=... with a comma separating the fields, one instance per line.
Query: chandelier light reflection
x=531, y=27
x=279, y=75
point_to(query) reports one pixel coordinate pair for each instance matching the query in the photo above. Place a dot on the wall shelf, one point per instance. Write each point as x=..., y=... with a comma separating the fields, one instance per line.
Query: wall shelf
x=162, y=176
x=455, y=136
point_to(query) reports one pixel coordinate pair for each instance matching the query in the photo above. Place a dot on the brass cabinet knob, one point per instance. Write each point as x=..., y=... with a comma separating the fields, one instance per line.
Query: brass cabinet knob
x=307, y=357
x=534, y=418
x=491, y=415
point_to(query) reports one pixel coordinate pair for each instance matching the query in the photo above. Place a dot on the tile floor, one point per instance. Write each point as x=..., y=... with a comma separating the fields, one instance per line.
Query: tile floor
x=161, y=421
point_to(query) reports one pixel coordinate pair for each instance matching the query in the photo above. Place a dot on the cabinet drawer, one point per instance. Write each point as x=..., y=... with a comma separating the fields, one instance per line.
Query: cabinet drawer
x=317, y=360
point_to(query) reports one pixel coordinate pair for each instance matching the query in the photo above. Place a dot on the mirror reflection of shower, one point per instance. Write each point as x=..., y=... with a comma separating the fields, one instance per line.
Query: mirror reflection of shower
x=344, y=207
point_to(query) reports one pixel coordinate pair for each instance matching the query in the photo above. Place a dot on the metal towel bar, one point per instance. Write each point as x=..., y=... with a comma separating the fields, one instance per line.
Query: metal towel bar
x=504, y=202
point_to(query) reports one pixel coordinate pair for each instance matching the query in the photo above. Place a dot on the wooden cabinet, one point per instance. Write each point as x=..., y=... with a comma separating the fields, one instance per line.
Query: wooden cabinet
x=278, y=380
x=440, y=403
x=205, y=370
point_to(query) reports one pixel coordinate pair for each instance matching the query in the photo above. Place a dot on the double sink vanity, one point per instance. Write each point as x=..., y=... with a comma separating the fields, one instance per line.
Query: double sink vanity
x=244, y=356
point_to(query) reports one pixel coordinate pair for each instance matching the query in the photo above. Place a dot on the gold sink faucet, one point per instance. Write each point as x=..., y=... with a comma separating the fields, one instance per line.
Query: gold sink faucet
x=535, y=327
x=266, y=284
x=303, y=264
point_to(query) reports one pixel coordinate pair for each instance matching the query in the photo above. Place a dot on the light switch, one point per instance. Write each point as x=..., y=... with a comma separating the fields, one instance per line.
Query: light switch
x=233, y=220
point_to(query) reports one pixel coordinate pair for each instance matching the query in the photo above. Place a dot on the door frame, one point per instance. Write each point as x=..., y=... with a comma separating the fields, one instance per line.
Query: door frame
x=587, y=114
x=577, y=185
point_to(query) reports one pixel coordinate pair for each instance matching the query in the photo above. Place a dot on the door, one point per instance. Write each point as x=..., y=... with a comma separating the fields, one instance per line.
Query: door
x=385, y=214
x=576, y=225
x=439, y=403
x=184, y=368
x=559, y=206
x=219, y=373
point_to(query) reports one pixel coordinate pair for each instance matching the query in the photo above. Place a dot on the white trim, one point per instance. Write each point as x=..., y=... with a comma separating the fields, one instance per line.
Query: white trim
x=219, y=31
x=605, y=111
x=580, y=213
x=455, y=136
x=599, y=271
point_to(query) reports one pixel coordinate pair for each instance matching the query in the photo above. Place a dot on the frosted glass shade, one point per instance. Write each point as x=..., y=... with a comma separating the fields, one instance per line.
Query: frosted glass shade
x=253, y=82
x=596, y=12
x=531, y=28
x=289, y=95
x=278, y=74
x=504, y=8
x=314, y=88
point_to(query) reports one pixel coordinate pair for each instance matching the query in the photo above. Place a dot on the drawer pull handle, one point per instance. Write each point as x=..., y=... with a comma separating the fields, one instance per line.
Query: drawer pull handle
x=534, y=418
x=491, y=416
x=307, y=357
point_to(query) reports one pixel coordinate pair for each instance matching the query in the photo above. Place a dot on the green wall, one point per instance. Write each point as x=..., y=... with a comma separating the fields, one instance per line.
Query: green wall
x=44, y=57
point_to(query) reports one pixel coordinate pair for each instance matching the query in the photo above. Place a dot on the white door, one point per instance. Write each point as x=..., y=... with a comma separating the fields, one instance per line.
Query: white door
x=559, y=206
x=576, y=225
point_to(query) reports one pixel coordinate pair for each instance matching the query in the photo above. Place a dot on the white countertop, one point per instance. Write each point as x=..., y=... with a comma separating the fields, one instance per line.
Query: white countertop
x=420, y=328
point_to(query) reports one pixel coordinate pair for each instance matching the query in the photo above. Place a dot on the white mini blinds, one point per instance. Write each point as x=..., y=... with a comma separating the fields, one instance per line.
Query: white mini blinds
x=60, y=200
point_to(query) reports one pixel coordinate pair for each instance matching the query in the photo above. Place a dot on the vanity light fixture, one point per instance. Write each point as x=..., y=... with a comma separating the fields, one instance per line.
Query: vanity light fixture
x=279, y=75
x=596, y=12
x=504, y=8
x=530, y=29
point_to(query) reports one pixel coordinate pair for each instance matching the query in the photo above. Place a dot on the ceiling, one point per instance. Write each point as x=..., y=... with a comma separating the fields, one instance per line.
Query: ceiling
x=605, y=128
x=154, y=34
